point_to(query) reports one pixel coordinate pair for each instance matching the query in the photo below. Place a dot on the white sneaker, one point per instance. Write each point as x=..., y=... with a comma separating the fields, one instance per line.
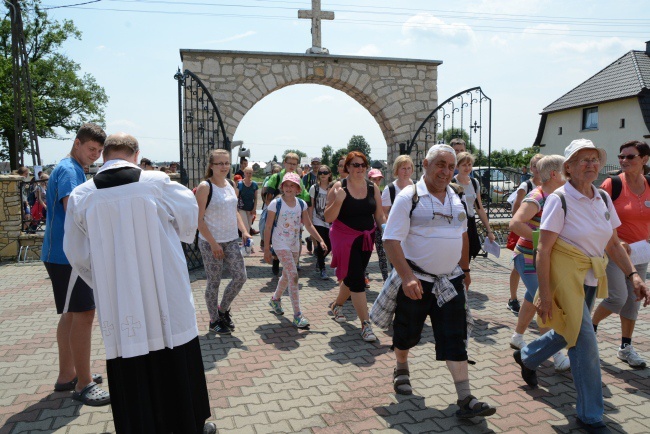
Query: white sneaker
x=517, y=341
x=630, y=356
x=561, y=362
x=337, y=313
x=366, y=332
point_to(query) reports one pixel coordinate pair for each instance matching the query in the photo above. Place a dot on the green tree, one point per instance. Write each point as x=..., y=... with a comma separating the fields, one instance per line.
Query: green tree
x=358, y=143
x=63, y=97
x=452, y=133
x=326, y=156
x=340, y=153
x=295, y=151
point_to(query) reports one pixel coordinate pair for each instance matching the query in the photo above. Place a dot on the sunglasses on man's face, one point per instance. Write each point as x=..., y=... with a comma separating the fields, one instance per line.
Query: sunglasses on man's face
x=627, y=157
x=357, y=165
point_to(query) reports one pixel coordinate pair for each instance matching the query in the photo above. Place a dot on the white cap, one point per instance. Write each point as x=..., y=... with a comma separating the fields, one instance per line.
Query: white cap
x=580, y=144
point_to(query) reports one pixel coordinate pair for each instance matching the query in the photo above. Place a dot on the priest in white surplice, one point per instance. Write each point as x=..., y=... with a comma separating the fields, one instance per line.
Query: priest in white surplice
x=123, y=236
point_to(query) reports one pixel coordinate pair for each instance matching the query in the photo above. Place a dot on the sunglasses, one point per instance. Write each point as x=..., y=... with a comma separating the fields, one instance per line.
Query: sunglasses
x=627, y=157
x=357, y=165
x=323, y=173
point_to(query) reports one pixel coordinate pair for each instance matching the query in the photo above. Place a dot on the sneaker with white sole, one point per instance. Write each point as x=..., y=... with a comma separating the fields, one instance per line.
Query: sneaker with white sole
x=517, y=341
x=366, y=332
x=337, y=312
x=276, y=305
x=300, y=322
x=323, y=274
x=513, y=306
x=630, y=356
x=561, y=362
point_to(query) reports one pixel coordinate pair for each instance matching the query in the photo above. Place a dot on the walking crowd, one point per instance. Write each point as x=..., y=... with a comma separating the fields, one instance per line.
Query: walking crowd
x=113, y=245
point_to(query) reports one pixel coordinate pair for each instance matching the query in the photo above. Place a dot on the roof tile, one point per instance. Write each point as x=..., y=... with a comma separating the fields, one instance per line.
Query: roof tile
x=625, y=77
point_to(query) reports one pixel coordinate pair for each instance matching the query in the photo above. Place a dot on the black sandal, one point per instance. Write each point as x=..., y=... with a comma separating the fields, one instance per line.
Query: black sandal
x=64, y=387
x=401, y=378
x=480, y=409
x=92, y=395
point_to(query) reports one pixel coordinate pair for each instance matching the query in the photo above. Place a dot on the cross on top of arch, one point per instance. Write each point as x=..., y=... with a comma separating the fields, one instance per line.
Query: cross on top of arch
x=316, y=15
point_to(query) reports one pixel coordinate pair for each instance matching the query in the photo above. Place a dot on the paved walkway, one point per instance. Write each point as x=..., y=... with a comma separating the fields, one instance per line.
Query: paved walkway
x=269, y=377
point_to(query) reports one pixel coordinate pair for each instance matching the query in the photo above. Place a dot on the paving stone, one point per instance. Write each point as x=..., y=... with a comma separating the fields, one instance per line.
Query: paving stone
x=267, y=377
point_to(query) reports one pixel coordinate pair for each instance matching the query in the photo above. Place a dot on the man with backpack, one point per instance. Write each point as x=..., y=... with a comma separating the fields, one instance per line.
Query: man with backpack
x=430, y=283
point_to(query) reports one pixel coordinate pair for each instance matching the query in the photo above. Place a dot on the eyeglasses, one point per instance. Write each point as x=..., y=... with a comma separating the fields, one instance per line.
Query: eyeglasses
x=222, y=163
x=357, y=165
x=323, y=173
x=587, y=161
x=449, y=218
x=627, y=157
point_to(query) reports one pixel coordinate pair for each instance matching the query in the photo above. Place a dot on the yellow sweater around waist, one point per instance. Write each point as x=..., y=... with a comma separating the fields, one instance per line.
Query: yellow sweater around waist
x=568, y=269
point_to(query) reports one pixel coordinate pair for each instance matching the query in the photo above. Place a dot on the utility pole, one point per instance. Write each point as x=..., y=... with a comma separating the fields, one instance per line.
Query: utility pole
x=21, y=81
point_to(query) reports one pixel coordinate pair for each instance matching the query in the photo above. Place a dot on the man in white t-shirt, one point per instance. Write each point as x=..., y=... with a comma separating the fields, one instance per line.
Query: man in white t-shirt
x=432, y=280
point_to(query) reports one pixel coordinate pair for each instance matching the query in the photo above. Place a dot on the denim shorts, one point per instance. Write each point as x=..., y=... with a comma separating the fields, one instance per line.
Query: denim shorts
x=530, y=280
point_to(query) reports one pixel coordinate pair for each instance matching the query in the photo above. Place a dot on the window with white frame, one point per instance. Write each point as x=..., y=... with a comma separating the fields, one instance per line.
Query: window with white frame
x=590, y=118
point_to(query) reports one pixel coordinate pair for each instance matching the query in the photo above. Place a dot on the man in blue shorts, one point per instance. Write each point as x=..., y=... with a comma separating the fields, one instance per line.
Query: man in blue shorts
x=72, y=296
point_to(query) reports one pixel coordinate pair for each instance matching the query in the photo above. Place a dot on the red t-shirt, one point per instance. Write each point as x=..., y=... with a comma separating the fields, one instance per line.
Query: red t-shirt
x=632, y=210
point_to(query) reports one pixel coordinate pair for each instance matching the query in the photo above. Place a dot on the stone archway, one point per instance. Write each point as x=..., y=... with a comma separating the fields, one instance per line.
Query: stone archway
x=398, y=93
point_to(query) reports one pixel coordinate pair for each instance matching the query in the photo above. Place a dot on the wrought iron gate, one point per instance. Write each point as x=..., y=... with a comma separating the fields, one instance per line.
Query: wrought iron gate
x=466, y=115
x=200, y=130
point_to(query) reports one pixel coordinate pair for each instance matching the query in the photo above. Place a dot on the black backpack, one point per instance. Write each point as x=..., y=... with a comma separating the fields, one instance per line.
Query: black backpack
x=603, y=195
x=617, y=185
x=416, y=198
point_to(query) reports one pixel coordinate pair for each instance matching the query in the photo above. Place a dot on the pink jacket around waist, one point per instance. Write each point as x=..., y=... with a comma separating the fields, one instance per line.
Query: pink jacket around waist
x=342, y=236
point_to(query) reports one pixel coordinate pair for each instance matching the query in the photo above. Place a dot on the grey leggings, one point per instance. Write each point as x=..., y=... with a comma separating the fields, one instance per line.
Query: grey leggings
x=621, y=298
x=213, y=269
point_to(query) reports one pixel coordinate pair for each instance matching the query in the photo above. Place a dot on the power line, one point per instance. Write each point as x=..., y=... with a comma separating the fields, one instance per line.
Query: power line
x=476, y=28
x=69, y=6
x=373, y=10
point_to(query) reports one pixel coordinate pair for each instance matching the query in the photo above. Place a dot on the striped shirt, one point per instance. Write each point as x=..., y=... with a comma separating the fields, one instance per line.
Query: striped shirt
x=525, y=246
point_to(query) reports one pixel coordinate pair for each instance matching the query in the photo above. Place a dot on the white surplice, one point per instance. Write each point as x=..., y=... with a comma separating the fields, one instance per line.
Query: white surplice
x=125, y=242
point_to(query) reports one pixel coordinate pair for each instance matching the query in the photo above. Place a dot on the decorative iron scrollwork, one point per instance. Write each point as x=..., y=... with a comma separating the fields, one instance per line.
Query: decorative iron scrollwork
x=201, y=130
x=467, y=115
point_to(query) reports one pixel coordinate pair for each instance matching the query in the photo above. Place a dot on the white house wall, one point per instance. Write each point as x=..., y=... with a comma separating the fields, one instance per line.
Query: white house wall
x=609, y=135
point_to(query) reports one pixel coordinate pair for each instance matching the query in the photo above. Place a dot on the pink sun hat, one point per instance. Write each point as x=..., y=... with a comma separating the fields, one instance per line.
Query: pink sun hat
x=291, y=177
x=375, y=173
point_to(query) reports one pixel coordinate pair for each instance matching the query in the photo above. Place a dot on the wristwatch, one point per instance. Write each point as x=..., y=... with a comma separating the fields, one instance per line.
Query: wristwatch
x=629, y=276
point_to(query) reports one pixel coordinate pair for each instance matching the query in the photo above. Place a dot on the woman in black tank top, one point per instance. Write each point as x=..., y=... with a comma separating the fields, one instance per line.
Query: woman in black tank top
x=353, y=207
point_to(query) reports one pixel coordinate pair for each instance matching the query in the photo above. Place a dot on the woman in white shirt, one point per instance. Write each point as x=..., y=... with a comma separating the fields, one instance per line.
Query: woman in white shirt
x=219, y=240
x=578, y=226
x=318, y=194
x=403, y=168
x=472, y=199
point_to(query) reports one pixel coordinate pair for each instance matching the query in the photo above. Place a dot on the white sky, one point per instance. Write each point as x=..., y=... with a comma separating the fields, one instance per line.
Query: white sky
x=524, y=54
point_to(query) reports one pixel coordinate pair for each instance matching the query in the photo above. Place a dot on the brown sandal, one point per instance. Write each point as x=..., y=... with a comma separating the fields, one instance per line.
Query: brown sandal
x=402, y=382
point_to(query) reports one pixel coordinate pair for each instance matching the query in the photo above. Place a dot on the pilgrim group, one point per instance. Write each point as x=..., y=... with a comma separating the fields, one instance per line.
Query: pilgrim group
x=113, y=246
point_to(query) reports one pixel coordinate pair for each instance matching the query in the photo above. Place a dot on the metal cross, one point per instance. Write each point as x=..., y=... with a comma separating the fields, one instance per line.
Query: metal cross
x=316, y=15
x=131, y=325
